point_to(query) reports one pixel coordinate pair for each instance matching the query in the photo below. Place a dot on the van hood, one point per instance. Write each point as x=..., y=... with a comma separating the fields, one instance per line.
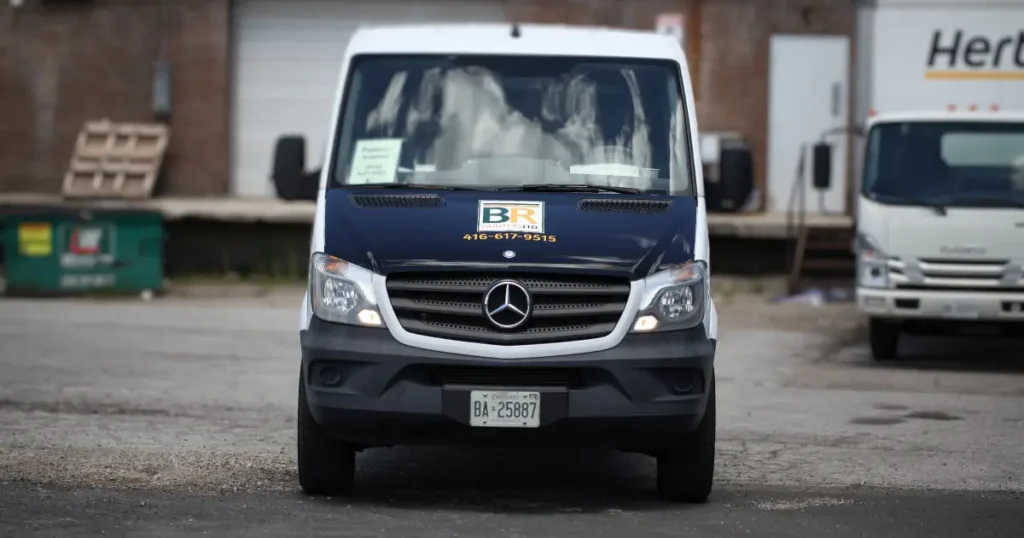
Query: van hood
x=967, y=233
x=388, y=231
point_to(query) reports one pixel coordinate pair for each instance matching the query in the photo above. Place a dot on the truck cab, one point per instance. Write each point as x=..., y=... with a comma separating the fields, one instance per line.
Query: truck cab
x=940, y=223
x=939, y=216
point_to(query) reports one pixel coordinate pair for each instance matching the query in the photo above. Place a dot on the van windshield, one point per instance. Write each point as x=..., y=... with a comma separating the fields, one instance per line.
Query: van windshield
x=960, y=164
x=491, y=122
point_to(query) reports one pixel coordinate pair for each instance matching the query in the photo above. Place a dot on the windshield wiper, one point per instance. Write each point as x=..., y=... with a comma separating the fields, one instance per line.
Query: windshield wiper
x=567, y=187
x=915, y=200
x=383, y=185
x=990, y=200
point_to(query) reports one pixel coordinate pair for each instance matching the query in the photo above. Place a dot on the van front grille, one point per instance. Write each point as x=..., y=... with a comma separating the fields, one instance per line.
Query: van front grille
x=451, y=305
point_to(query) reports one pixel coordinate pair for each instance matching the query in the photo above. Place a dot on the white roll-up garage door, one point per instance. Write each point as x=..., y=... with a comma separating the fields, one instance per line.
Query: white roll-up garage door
x=287, y=56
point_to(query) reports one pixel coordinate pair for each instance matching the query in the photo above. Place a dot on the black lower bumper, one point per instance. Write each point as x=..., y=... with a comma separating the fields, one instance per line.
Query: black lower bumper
x=369, y=389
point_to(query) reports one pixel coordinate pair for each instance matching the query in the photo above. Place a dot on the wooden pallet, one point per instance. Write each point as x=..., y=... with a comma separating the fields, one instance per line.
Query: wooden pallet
x=116, y=160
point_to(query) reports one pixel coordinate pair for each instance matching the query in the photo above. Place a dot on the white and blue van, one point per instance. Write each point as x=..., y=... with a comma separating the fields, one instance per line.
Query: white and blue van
x=510, y=246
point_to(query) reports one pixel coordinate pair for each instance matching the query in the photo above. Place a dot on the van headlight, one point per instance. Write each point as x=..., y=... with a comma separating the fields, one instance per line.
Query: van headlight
x=341, y=292
x=872, y=263
x=674, y=299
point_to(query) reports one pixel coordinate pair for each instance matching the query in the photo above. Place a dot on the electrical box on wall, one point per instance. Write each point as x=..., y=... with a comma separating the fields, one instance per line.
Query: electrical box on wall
x=162, y=98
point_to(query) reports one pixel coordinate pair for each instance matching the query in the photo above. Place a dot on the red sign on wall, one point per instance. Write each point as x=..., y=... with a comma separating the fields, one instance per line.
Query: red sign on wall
x=671, y=24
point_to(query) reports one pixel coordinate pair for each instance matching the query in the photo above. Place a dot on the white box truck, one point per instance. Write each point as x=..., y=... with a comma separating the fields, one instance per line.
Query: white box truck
x=940, y=204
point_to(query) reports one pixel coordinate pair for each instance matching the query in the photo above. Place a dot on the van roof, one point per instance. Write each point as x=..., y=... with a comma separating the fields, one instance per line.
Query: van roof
x=534, y=39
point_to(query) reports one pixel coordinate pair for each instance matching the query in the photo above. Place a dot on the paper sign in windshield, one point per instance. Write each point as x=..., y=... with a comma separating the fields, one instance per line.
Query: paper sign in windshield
x=375, y=161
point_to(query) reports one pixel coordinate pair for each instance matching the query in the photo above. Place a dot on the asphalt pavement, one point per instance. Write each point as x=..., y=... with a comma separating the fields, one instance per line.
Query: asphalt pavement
x=176, y=418
x=569, y=512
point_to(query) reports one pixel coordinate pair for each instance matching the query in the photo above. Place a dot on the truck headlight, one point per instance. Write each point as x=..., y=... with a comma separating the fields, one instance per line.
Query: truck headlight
x=341, y=292
x=675, y=299
x=872, y=263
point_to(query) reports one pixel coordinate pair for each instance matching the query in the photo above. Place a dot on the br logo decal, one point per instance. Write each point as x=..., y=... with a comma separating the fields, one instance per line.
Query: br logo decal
x=500, y=216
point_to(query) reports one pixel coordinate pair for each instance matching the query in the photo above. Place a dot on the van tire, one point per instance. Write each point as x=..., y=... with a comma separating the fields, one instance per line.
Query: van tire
x=686, y=471
x=326, y=465
x=885, y=339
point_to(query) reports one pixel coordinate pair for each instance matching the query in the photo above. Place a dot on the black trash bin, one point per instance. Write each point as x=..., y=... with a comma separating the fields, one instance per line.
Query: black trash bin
x=730, y=182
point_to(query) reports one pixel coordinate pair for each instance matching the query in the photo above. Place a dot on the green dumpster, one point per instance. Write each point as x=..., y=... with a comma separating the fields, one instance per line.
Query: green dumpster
x=54, y=251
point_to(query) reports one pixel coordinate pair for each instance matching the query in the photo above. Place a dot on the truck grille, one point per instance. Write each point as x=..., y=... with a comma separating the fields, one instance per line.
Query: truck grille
x=565, y=307
x=956, y=274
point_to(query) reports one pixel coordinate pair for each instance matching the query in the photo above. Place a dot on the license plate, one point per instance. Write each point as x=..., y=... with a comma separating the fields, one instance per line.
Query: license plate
x=960, y=311
x=504, y=409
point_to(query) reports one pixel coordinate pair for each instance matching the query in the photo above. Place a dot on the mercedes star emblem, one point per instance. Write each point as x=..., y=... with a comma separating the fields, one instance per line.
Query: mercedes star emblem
x=507, y=304
x=509, y=254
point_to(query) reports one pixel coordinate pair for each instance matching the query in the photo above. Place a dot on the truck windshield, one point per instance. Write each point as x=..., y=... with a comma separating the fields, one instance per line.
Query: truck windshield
x=957, y=164
x=502, y=122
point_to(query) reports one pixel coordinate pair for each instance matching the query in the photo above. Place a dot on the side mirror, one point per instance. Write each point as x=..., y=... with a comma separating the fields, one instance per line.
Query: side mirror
x=291, y=181
x=822, y=166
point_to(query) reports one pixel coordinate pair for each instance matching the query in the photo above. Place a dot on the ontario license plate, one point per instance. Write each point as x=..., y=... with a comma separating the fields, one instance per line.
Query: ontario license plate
x=960, y=311
x=504, y=409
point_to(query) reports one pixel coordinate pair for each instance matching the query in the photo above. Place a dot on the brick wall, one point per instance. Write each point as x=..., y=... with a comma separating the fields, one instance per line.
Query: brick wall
x=60, y=66
x=63, y=64
x=727, y=45
x=734, y=60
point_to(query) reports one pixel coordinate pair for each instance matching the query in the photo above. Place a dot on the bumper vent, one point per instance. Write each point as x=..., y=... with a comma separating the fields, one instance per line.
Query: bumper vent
x=624, y=206
x=507, y=376
x=565, y=307
x=397, y=200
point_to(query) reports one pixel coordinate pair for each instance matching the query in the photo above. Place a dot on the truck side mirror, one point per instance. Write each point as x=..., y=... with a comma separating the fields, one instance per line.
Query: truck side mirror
x=289, y=170
x=822, y=165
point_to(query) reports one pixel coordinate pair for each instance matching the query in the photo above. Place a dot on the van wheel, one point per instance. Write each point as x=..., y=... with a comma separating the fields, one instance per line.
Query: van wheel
x=686, y=471
x=326, y=465
x=885, y=339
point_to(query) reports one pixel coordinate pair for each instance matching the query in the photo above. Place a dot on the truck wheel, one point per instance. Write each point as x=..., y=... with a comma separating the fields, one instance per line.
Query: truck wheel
x=686, y=471
x=326, y=465
x=885, y=339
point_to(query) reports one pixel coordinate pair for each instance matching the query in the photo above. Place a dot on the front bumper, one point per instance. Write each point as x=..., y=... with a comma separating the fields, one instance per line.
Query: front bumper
x=369, y=389
x=938, y=304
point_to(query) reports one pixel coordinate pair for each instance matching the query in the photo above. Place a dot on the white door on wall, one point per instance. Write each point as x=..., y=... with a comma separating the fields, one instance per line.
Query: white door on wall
x=287, y=56
x=807, y=95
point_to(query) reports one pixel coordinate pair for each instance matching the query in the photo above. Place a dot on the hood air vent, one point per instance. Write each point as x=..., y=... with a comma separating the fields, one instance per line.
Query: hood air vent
x=397, y=200
x=624, y=206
